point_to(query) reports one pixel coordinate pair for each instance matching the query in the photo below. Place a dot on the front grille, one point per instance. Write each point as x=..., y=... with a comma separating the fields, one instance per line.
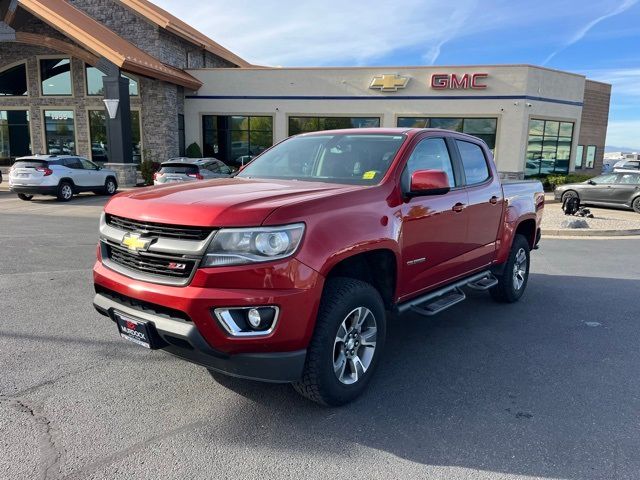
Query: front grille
x=159, y=229
x=146, y=307
x=153, y=264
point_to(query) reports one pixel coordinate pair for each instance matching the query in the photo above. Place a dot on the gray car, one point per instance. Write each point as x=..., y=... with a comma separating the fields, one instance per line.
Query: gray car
x=617, y=189
x=184, y=169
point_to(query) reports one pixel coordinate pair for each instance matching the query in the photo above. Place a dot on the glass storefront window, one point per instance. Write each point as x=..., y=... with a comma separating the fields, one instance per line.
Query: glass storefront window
x=98, y=136
x=591, y=156
x=55, y=76
x=15, y=139
x=313, y=124
x=60, y=132
x=13, y=81
x=483, y=128
x=236, y=139
x=94, y=82
x=549, y=147
x=579, y=152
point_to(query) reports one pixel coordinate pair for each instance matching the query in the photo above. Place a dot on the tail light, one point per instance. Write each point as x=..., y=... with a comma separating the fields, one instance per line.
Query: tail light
x=46, y=171
x=197, y=176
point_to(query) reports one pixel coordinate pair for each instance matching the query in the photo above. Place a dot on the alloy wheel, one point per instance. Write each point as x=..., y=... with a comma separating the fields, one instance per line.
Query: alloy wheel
x=520, y=268
x=354, y=346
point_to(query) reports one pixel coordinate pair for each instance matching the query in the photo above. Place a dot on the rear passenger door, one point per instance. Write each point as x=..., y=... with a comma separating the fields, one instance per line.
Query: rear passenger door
x=79, y=175
x=486, y=202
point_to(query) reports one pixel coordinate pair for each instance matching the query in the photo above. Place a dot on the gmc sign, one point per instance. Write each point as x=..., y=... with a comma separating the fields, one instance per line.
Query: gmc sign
x=457, y=81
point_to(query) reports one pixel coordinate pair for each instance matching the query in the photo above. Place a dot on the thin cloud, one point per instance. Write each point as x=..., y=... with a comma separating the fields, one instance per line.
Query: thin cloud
x=624, y=133
x=580, y=34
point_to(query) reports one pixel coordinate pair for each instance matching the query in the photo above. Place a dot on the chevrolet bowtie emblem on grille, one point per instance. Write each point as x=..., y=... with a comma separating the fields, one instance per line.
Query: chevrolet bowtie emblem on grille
x=389, y=83
x=135, y=243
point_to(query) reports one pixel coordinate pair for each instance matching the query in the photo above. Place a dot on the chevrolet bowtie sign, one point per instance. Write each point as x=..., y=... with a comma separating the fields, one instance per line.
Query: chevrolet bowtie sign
x=389, y=83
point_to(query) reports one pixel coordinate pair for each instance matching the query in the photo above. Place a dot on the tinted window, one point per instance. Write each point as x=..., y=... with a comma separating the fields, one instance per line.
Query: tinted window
x=631, y=165
x=629, y=179
x=213, y=167
x=179, y=169
x=13, y=81
x=474, y=163
x=74, y=163
x=429, y=154
x=30, y=164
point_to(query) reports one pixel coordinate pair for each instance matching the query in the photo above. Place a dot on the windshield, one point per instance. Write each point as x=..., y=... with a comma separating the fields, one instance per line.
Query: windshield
x=179, y=168
x=357, y=159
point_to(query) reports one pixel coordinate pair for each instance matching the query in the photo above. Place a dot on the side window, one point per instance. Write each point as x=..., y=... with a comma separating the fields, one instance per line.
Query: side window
x=213, y=167
x=474, y=162
x=429, y=154
x=73, y=163
x=605, y=179
x=87, y=165
x=629, y=179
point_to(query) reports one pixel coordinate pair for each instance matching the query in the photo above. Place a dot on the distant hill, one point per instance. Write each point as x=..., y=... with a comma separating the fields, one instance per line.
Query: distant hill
x=613, y=148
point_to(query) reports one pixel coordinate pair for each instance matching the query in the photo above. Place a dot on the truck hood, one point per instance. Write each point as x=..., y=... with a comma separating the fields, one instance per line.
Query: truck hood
x=217, y=203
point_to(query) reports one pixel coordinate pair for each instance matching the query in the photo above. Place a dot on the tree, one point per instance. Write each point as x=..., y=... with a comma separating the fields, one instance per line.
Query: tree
x=193, y=151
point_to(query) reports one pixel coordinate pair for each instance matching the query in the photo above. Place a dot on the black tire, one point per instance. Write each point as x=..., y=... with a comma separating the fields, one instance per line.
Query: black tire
x=636, y=204
x=569, y=194
x=110, y=186
x=25, y=197
x=341, y=298
x=508, y=290
x=65, y=192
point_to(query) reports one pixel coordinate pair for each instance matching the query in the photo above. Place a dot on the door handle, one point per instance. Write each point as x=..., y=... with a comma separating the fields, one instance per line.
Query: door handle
x=458, y=207
x=493, y=200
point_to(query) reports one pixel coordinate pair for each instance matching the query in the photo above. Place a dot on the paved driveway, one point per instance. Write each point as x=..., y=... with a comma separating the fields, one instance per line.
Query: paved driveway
x=546, y=388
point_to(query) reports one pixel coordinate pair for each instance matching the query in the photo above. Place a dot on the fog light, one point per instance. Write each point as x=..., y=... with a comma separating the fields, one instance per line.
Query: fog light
x=247, y=321
x=254, y=318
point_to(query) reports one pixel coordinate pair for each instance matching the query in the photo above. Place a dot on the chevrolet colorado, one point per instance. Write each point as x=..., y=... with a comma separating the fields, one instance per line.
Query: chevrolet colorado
x=287, y=272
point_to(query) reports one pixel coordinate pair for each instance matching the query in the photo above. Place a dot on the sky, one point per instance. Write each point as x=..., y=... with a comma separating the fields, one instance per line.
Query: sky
x=600, y=39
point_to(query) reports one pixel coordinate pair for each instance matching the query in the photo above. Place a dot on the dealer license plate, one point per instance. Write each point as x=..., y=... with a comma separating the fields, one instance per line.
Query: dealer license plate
x=136, y=331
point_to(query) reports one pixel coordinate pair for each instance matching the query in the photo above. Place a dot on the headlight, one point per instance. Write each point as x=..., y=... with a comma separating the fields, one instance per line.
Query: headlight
x=237, y=246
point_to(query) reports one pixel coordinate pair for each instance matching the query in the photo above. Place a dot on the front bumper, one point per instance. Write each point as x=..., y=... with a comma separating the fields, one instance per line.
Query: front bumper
x=182, y=338
x=34, y=189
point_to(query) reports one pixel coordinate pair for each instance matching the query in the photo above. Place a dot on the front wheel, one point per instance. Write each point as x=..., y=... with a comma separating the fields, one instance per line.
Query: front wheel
x=346, y=345
x=25, y=197
x=569, y=194
x=513, y=281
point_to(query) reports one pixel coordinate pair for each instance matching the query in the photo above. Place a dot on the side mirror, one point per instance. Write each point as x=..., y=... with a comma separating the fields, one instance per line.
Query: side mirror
x=428, y=182
x=591, y=182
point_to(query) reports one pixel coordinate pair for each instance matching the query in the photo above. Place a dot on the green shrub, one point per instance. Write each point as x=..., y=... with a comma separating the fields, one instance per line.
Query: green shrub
x=147, y=169
x=550, y=182
x=193, y=151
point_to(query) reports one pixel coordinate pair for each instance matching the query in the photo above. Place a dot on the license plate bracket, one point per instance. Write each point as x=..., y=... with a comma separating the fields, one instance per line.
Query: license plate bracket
x=137, y=331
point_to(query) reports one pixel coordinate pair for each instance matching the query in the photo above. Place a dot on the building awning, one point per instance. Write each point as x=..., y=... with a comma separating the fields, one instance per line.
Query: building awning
x=103, y=42
x=164, y=19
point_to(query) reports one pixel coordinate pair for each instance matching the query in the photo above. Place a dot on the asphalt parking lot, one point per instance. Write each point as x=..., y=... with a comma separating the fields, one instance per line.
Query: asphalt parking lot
x=545, y=388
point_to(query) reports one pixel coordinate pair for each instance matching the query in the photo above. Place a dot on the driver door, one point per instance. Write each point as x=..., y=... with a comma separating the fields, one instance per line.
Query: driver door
x=434, y=228
x=600, y=190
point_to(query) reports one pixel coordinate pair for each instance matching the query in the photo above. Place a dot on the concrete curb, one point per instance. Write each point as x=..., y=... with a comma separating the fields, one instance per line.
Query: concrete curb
x=585, y=232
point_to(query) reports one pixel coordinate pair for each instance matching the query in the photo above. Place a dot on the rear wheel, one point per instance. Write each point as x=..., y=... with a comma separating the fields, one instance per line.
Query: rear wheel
x=513, y=281
x=569, y=194
x=636, y=205
x=65, y=192
x=110, y=186
x=346, y=345
x=25, y=197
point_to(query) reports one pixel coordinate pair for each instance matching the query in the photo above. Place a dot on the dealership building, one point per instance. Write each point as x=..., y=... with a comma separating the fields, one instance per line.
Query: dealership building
x=121, y=80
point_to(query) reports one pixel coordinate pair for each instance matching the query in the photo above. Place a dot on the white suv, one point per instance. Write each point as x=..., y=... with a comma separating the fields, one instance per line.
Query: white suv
x=61, y=176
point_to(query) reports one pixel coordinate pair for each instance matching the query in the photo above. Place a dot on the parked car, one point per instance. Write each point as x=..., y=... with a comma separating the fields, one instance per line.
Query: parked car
x=61, y=176
x=627, y=165
x=286, y=272
x=184, y=169
x=619, y=189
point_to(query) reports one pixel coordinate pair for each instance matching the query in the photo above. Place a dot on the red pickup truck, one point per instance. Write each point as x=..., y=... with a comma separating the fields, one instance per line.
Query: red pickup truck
x=288, y=271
